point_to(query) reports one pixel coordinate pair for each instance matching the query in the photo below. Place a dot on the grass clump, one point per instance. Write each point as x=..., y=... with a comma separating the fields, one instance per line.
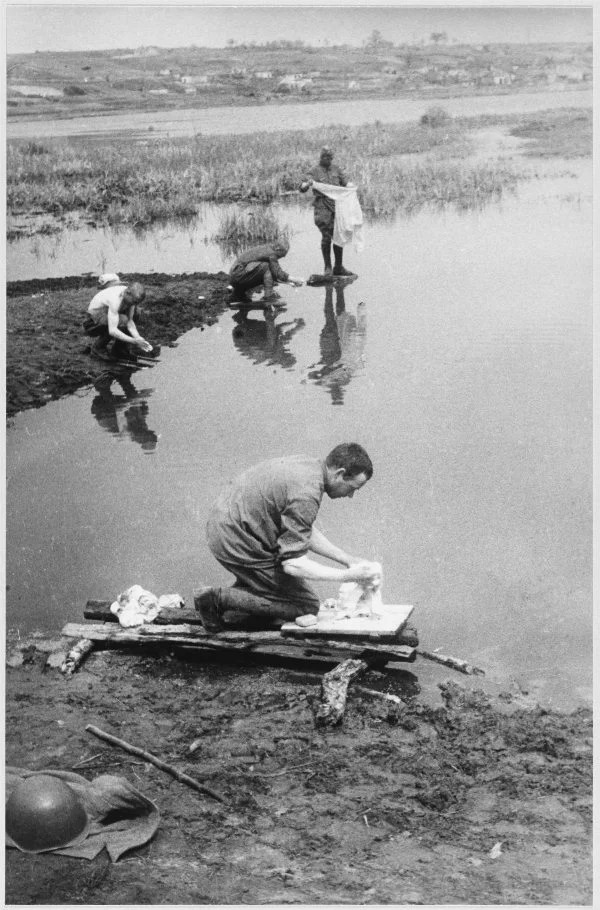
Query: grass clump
x=435, y=116
x=239, y=230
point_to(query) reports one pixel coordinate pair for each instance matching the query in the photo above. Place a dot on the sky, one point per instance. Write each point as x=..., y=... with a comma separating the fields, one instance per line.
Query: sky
x=92, y=26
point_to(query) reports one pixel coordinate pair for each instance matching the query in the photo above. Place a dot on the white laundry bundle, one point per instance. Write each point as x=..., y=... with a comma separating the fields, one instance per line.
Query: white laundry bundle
x=348, y=223
x=136, y=606
x=360, y=598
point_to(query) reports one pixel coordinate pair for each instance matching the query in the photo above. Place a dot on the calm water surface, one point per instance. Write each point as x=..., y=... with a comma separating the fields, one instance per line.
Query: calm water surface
x=250, y=119
x=461, y=358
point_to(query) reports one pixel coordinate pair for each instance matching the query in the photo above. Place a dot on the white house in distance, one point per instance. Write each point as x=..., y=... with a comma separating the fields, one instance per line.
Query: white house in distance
x=264, y=74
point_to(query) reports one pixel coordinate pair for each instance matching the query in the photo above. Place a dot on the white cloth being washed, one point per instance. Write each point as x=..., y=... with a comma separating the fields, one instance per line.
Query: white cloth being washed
x=348, y=224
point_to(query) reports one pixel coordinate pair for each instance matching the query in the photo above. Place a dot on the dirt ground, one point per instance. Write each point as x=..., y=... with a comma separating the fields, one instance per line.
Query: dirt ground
x=475, y=800
x=47, y=351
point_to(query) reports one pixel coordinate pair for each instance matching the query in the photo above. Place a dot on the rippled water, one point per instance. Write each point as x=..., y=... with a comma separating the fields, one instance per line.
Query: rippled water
x=461, y=358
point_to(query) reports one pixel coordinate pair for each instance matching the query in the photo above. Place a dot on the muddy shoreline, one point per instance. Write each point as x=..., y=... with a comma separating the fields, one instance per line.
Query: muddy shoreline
x=476, y=801
x=47, y=351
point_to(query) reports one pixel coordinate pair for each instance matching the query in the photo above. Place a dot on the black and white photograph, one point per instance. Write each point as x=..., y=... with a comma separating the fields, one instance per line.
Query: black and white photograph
x=298, y=446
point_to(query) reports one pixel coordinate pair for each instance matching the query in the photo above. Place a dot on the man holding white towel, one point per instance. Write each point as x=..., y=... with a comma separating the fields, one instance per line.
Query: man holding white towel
x=324, y=208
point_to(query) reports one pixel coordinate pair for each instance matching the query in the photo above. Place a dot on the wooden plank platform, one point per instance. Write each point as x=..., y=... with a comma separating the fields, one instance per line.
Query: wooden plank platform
x=99, y=610
x=195, y=636
x=384, y=625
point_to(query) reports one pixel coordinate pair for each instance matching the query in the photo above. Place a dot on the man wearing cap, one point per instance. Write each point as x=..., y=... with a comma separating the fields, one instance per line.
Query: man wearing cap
x=260, y=266
x=324, y=208
x=261, y=529
x=110, y=316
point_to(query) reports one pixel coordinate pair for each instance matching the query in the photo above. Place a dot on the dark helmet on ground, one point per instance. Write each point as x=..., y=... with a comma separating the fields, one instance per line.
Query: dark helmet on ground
x=44, y=813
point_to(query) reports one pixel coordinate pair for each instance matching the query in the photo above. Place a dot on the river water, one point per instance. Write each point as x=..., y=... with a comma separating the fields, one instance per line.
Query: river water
x=461, y=358
x=290, y=116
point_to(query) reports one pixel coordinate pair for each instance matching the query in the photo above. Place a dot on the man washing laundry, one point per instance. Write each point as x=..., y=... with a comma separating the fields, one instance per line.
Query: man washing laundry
x=261, y=529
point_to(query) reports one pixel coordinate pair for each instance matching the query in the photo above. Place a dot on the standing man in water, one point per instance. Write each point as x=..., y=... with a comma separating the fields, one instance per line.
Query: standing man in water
x=261, y=529
x=324, y=208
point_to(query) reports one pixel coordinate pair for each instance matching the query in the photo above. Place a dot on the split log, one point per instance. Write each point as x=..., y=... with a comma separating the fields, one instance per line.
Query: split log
x=461, y=665
x=198, y=637
x=334, y=689
x=76, y=656
x=147, y=756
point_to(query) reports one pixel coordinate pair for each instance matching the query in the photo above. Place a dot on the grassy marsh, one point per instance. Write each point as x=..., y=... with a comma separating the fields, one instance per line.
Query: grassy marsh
x=396, y=167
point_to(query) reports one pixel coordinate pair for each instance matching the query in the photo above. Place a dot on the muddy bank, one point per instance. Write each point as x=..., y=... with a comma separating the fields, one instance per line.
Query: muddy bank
x=47, y=351
x=476, y=801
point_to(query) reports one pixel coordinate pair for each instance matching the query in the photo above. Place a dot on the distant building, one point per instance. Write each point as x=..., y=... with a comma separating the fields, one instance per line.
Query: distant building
x=264, y=74
x=164, y=72
x=353, y=85
x=158, y=91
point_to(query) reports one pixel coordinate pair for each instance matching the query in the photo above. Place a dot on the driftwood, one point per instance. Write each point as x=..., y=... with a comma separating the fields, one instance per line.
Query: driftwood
x=76, y=656
x=198, y=637
x=147, y=756
x=99, y=610
x=461, y=665
x=334, y=689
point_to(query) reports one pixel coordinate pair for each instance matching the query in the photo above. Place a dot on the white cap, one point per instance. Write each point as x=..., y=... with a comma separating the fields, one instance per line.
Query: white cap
x=108, y=278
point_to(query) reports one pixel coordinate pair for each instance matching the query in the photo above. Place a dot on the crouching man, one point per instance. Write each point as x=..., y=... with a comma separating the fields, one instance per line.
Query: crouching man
x=258, y=266
x=110, y=318
x=261, y=529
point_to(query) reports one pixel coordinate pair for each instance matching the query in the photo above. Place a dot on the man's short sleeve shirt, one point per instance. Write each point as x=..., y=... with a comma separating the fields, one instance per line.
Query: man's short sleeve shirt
x=266, y=515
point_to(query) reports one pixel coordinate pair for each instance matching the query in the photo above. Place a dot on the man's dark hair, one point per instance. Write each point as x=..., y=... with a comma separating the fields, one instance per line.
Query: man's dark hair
x=352, y=458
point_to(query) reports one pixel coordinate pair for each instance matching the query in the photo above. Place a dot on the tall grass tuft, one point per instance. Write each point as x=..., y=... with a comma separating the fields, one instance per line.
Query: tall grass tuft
x=239, y=230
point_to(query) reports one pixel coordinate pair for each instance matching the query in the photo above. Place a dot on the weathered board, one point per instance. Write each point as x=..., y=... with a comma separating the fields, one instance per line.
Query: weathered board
x=100, y=610
x=385, y=625
x=197, y=637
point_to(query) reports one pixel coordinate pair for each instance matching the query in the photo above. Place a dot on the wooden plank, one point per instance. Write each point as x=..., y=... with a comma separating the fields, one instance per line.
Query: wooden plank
x=100, y=610
x=198, y=637
x=381, y=626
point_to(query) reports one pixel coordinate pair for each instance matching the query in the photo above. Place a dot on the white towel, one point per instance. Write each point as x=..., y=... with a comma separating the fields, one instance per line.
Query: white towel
x=348, y=224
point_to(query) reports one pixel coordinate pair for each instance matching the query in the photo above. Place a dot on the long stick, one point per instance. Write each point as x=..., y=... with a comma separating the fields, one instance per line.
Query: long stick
x=147, y=756
x=461, y=665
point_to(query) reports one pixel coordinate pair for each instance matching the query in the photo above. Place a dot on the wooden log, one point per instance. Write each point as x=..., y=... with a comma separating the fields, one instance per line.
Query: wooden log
x=99, y=610
x=76, y=656
x=334, y=689
x=198, y=637
x=461, y=665
x=147, y=756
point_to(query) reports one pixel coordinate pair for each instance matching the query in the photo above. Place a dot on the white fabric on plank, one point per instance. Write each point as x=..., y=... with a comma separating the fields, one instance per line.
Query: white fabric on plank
x=348, y=224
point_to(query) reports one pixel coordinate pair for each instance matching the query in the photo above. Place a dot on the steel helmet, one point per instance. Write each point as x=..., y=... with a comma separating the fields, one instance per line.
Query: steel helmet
x=45, y=813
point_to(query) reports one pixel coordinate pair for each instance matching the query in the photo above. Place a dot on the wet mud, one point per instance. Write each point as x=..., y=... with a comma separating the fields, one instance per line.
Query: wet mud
x=47, y=352
x=475, y=801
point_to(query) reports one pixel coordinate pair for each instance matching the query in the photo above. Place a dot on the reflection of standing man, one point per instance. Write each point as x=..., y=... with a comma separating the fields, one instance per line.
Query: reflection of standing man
x=342, y=342
x=107, y=408
x=327, y=172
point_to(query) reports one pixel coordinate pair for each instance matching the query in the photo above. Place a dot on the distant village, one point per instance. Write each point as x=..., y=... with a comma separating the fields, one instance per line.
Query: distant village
x=369, y=71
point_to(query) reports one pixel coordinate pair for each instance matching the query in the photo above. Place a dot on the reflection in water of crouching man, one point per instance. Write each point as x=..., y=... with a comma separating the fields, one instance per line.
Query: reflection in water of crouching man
x=124, y=415
x=265, y=341
x=342, y=343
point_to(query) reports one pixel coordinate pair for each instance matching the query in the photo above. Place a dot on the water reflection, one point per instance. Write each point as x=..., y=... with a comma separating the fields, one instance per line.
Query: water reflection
x=342, y=344
x=124, y=415
x=265, y=340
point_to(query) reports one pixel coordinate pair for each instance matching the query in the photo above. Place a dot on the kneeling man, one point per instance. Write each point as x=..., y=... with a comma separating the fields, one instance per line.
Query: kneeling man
x=261, y=529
